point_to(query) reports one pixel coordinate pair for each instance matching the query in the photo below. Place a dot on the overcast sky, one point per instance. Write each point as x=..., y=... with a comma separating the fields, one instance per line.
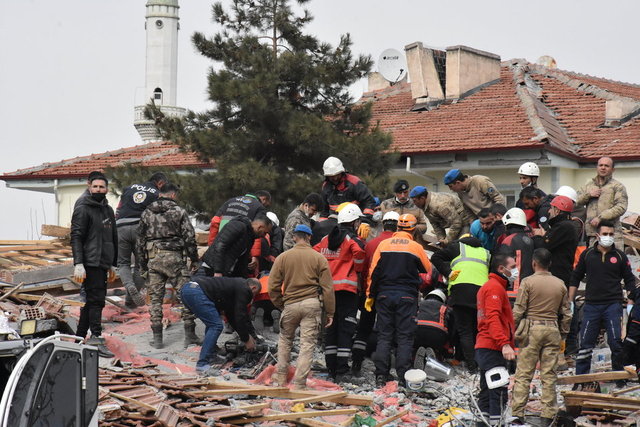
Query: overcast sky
x=70, y=69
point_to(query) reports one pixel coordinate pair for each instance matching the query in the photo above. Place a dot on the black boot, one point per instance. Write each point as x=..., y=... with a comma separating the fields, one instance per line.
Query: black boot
x=190, y=336
x=157, y=336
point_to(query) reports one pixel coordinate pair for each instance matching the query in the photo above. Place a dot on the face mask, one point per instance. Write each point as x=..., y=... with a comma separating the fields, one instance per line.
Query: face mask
x=98, y=197
x=605, y=241
x=515, y=273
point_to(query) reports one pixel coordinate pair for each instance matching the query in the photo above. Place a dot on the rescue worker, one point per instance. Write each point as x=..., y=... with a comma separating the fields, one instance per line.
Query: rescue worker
x=517, y=243
x=605, y=199
x=539, y=203
x=133, y=202
x=301, y=215
x=270, y=245
x=495, y=343
x=466, y=263
x=394, y=279
x=475, y=192
x=230, y=253
x=264, y=312
x=94, y=243
x=165, y=237
x=528, y=174
x=339, y=187
x=543, y=301
x=434, y=324
x=249, y=205
x=368, y=318
x=631, y=343
x=209, y=297
x=488, y=228
x=300, y=285
x=345, y=253
x=403, y=204
x=443, y=210
x=604, y=266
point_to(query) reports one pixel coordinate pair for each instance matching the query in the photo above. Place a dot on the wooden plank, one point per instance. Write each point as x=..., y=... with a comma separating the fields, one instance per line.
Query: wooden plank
x=251, y=391
x=29, y=297
x=11, y=291
x=27, y=242
x=583, y=396
x=393, y=418
x=320, y=397
x=626, y=390
x=293, y=416
x=134, y=401
x=609, y=406
x=628, y=373
x=5, y=249
x=54, y=230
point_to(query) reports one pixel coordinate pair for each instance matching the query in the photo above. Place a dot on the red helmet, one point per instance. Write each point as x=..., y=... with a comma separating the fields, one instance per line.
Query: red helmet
x=563, y=203
x=407, y=222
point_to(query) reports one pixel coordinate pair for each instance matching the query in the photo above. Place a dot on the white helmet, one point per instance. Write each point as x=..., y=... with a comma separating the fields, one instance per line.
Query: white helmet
x=515, y=216
x=349, y=213
x=332, y=166
x=529, y=169
x=391, y=216
x=567, y=191
x=274, y=218
x=439, y=293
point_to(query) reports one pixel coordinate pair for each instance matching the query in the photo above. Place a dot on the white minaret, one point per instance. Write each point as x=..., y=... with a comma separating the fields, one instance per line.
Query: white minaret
x=162, y=25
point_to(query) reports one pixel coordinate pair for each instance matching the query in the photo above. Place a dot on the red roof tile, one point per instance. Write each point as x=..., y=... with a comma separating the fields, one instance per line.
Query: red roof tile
x=153, y=154
x=530, y=106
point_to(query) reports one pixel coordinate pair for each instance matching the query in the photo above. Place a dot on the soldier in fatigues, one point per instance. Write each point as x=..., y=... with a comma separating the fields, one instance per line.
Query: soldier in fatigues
x=301, y=215
x=165, y=235
x=402, y=204
x=543, y=299
x=443, y=211
x=475, y=192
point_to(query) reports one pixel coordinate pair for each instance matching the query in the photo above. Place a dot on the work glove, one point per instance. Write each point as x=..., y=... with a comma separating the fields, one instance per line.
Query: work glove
x=377, y=216
x=454, y=274
x=368, y=304
x=111, y=274
x=563, y=346
x=363, y=231
x=79, y=273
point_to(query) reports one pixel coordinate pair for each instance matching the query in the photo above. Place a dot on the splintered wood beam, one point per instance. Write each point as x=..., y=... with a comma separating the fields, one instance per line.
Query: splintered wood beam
x=626, y=390
x=320, y=397
x=393, y=418
x=628, y=373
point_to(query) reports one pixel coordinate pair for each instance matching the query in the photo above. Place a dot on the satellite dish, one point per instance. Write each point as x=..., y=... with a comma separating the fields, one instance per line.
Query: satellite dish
x=392, y=65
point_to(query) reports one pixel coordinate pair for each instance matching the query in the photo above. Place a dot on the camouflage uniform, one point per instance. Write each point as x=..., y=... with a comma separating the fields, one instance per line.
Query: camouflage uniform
x=480, y=193
x=445, y=211
x=165, y=235
x=610, y=206
x=296, y=217
x=408, y=207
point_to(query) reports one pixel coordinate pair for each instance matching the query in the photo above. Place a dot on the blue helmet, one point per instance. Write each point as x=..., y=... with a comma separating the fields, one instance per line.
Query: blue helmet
x=302, y=228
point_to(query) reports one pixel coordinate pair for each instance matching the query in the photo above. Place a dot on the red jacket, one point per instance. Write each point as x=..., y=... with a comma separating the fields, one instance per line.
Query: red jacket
x=345, y=262
x=495, y=318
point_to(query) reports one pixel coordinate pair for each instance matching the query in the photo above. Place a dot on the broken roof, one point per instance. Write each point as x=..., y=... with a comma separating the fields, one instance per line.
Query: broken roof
x=153, y=154
x=531, y=106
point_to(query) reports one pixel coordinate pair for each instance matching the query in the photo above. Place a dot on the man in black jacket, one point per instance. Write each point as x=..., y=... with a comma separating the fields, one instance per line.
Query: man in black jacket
x=518, y=243
x=94, y=241
x=536, y=200
x=133, y=202
x=208, y=297
x=230, y=253
x=605, y=267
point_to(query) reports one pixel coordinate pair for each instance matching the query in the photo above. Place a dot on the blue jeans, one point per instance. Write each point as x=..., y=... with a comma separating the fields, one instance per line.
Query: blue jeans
x=204, y=309
x=596, y=316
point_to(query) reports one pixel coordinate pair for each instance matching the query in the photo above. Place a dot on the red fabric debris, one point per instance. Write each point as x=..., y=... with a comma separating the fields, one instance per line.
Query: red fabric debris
x=314, y=383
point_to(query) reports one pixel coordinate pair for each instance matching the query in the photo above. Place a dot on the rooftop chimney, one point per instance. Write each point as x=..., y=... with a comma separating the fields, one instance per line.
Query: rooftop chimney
x=426, y=72
x=469, y=69
x=618, y=111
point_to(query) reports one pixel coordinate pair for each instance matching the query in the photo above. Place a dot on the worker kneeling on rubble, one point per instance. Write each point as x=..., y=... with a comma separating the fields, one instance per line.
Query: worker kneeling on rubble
x=300, y=284
x=207, y=297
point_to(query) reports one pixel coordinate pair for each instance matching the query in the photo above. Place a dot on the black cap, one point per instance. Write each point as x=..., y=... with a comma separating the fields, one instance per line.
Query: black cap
x=400, y=186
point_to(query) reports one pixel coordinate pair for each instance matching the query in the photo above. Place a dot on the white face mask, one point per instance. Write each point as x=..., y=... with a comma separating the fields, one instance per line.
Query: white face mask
x=606, y=241
x=515, y=273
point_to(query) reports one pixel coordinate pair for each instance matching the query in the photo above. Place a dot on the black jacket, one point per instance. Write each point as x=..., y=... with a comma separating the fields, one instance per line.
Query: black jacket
x=542, y=212
x=321, y=229
x=94, y=238
x=134, y=201
x=230, y=252
x=561, y=240
x=232, y=296
x=462, y=294
x=604, y=273
x=519, y=244
x=349, y=189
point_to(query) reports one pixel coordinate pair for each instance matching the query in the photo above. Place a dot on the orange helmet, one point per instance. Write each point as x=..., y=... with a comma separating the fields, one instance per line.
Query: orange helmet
x=407, y=222
x=563, y=203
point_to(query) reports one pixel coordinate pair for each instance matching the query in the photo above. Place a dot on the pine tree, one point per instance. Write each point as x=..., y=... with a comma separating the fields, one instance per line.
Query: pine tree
x=281, y=107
